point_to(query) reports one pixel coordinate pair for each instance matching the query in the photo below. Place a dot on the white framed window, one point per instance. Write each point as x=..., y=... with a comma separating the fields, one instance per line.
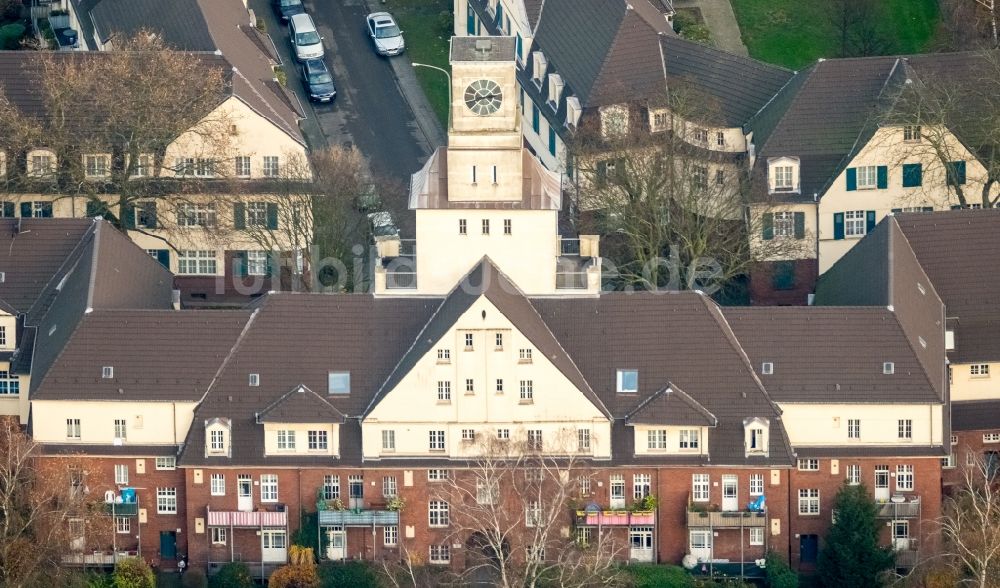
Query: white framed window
x=699, y=176
x=532, y=514
x=204, y=168
x=217, y=441
x=720, y=139
x=911, y=133
x=970, y=458
x=498, y=346
x=688, y=439
x=524, y=355
x=808, y=465
x=463, y=227
x=73, y=429
x=390, y=536
x=853, y=428
x=254, y=380
x=584, y=484
x=468, y=342
x=242, y=166
x=991, y=437
x=583, y=440
x=508, y=228
x=286, y=440
x=444, y=391
x=338, y=383
x=627, y=381
x=436, y=440
x=784, y=178
x=853, y=474
x=219, y=535
x=389, y=487
x=166, y=500
x=905, y=429
x=468, y=435
x=444, y=355
x=784, y=224
x=904, y=478
x=470, y=386
x=948, y=462
x=256, y=214
x=96, y=166
x=439, y=554
x=808, y=501
x=388, y=440
x=331, y=487
x=700, y=540
x=499, y=387
x=272, y=167
x=486, y=492
x=979, y=370
x=41, y=163
x=756, y=535
x=486, y=226
x=656, y=439
x=641, y=486
x=196, y=262
x=120, y=429
x=535, y=439
x=256, y=262
x=867, y=177
x=888, y=368
x=191, y=214
x=767, y=368
x=854, y=223
x=701, y=135
x=269, y=488
x=107, y=372
x=123, y=525
x=756, y=484
x=438, y=514
x=167, y=462
x=217, y=484
x=954, y=439
x=3, y=336
x=121, y=474
x=699, y=487
x=527, y=391
x=9, y=384
x=273, y=539
x=503, y=434
x=318, y=440
x=437, y=475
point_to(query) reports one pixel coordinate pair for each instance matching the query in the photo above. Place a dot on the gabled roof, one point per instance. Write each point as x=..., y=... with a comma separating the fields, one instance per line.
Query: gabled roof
x=975, y=415
x=31, y=252
x=671, y=406
x=179, y=22
x=486, y=280
x=300, y=405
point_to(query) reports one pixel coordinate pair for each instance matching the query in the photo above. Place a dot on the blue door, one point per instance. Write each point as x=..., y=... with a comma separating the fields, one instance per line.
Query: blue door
x=168, y=545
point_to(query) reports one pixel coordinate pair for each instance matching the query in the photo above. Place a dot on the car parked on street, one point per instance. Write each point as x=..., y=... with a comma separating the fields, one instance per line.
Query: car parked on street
x=385, y=34
x=286, y=9
x=305, y=39
x=318, y=81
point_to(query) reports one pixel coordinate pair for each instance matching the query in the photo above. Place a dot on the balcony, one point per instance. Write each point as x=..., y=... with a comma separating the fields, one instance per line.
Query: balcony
x=906, y=509
x=907, y=554
x=122, y=509
x=96, y=558
x=615, y=518
x=358, y=518
x=255, y=519
x=737, y=519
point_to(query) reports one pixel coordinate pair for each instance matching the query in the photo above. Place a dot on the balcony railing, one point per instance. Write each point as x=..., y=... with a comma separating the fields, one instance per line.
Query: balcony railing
x=253, y=519
x=615, y=518
x=122, y=509
x=96, y=558
x=727, y=519
x=571, y=280
x=400, y=280
x=358, y=518
x=908, y=556
x=909, y=509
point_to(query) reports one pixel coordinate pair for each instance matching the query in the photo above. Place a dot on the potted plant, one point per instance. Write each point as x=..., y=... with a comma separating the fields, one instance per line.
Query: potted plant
x=336, y=504
x=395, y=503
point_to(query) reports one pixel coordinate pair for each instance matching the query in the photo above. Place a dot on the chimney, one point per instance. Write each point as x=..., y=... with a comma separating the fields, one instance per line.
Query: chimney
x=175, y=299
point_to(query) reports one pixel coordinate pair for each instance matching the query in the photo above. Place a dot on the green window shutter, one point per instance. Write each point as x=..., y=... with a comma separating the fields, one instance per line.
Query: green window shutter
x=956, y=207
x=956, y=173
x=800, y=225
x=535, y=118
x=499, y=14
x=896, y=210
x=25, y=210
x=151, y=220
x=239, y=263
x=470, y=22
x=163, y=256
x=838, y=225
x=95, y=208
x=128, y=215
x=768, y=226
x=46, y=210
x=852, y=179
x=552, y=140
x=882, y=177
x=240, y=215
x=270, y=261
x=927, y=209
x=517, y=46
x=869, y=221
x=912, y=175
x=8, y=210
x=272, y=216
x=783, y=275
x=960, y=171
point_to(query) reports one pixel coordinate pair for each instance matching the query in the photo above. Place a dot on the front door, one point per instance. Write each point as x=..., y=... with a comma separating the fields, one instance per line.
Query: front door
x=729, y=501
x=356, y=491
x=882, y=483
x=273, y=547
x=641, y=541
x=168, y=545
x=808, y=548
x=336, y=543
x=901, y=535
x=701, y=545
x=617, y=491
x=244, y=493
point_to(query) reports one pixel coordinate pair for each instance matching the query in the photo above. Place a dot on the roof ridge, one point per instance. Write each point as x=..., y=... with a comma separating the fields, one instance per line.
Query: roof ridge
x=232, y=351
x=71, y=259
x=294, y=390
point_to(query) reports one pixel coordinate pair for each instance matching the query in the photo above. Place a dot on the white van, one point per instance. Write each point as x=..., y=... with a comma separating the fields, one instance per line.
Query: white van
x=305, y=39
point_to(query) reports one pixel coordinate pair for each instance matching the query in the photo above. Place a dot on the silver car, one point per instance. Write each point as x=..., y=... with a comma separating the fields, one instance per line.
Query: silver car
x=385, y=34
x=305, y=39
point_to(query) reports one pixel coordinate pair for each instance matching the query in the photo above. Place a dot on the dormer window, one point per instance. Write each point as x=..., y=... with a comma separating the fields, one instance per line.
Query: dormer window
x=254, y=380
x=97, y=165
x=949, y=340
x=573, y=111
x=701, y=135
x=217, y=436
x=888, y=368
x=41, y=163
x=783, y=174
x=339, y=383
x=614, y=120
x=555, y=89
x=628, y=381
x=767, y=368
x=108, y=372
x=539, y=65
x=755, y=431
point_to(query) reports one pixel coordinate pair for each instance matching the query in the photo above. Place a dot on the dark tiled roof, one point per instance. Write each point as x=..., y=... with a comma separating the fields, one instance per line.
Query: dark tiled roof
x=300, y=405
x=534, y=10
x=739, y=85
x=157, y=355
x=842, y=451
x=861, y=276
x=671, y=406
x=832, y=354
x=31, y=252
x=109, y=450
x=178, y=22
x=976, y=415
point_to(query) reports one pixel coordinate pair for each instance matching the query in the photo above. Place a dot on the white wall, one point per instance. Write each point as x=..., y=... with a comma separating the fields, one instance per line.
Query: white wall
x=965, y=386
x=147, y=423
x=301, y=438
x=826, y=424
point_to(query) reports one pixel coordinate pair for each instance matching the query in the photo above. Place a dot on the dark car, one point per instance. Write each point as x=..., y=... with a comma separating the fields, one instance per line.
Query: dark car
x=318, y=80
x=286, y=9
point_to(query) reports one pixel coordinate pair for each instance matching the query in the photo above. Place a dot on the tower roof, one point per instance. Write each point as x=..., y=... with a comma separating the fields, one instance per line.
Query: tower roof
x=482, y=49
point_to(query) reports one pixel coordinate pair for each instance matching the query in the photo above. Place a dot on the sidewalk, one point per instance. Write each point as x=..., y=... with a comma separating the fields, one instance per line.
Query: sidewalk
x=721, y=22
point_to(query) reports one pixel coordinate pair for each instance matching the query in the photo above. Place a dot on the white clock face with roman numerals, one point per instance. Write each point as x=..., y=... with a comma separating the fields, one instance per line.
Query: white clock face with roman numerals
x=483, y=97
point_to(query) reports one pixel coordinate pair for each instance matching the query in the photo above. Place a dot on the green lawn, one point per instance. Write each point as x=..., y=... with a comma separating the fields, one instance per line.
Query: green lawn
x=427, y=28
x=794, y=34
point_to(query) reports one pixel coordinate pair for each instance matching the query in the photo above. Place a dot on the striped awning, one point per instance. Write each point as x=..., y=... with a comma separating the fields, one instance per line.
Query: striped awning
x=228, y=518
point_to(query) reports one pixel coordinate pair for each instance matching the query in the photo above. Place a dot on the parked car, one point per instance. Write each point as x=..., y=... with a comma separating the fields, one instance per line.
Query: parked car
x=305, y=39
x=286, y=9
x=385, y=34
x=318, y=80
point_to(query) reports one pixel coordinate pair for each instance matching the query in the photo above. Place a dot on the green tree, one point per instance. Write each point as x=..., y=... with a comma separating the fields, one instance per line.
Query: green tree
x=134, y=572
x=852, y=557
x=232, y=575
x=779, y=575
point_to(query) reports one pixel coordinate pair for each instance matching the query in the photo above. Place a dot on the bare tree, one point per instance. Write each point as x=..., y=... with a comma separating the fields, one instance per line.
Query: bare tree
x=673, y=213
x=511, y=509
x=971, y=524
x=44, y=512
x=970, y=24
x=858, y=27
